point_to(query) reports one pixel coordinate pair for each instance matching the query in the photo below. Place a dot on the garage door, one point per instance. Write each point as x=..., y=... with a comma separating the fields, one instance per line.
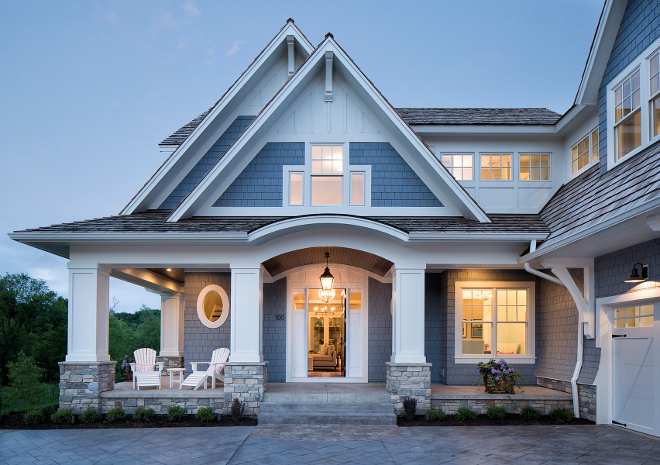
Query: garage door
x=636, y=369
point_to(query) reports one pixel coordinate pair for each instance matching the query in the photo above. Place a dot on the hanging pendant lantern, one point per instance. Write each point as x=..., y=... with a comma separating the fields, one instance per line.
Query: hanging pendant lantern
x=327, y=293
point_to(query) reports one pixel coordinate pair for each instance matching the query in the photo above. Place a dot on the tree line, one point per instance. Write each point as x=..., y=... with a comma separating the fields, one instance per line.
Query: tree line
x=33, y=321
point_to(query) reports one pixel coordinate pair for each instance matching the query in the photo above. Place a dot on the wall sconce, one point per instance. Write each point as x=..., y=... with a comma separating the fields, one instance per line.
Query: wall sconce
x=635, y=276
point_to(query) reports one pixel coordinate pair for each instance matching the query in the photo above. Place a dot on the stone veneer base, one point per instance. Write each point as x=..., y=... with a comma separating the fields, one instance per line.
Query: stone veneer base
x=192, y=401
x=409, y=380
x=247, y=382
x=586, y=395
x=171, y=361
x=81, y=383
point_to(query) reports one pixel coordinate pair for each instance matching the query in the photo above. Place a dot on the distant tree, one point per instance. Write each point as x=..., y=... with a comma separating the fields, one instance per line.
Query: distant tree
x=25, y=385
x=132, y=331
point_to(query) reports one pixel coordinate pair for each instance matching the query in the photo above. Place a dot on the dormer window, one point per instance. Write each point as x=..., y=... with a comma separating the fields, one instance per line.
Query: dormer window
x=627, y=116
x=327, y=174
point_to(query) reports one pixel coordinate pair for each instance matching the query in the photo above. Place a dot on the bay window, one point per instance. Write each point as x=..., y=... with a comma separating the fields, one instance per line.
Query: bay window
x=494, y=320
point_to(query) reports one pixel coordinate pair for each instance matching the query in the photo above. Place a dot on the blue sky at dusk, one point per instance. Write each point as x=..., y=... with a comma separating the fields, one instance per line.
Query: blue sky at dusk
x=89, y=88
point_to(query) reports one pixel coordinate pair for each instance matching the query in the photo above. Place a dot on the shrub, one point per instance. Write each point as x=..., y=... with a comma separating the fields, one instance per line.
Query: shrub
x=25, y=387
x=237, y=408
x=496, y=413
x=143, y=415
x=176, y=413
x=562, y=415
x=48, y=410
x=464, y=413
x=529, y=413
x=436, y=414
x=116, y=414
x=409, y=408
x=34, y=417
x=90, y=416
x=63, y=416
x=205, y=414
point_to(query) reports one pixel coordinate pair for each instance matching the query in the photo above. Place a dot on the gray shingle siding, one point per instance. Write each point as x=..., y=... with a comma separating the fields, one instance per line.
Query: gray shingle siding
x=198, y=340
x=458, y=374
x=639, y=27
x=380, y=329
x=613, y=268
x=209, y=159
x=393, y=182
x=261, y=182
x=274, y=330
x=433, y=323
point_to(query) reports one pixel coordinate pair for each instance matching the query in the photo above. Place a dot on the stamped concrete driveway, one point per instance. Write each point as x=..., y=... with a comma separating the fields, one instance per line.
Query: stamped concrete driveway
x=318, y=445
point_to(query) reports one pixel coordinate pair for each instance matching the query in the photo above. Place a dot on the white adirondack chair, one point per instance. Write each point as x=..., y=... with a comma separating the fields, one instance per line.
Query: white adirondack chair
x=216, y=366
x=143, y=369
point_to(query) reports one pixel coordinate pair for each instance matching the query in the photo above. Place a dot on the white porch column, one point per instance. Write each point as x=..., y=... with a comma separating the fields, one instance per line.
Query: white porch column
x=408, y=315
x=88, y=313
x=246, y=314
x=171, y=325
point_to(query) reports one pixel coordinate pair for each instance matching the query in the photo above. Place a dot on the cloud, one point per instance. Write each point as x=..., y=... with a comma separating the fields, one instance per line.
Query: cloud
x=190, y=8
x=234, y=50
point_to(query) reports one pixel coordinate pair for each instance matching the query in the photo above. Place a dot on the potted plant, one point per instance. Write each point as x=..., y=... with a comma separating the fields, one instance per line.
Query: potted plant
x=499, y=377
x=126, y=366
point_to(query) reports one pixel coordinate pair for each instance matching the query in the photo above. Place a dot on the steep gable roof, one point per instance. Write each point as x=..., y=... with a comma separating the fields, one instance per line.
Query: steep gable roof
x=192, y=143
x=208, y=187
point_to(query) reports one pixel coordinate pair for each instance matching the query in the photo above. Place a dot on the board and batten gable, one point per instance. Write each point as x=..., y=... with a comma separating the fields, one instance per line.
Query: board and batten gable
x=637, y=31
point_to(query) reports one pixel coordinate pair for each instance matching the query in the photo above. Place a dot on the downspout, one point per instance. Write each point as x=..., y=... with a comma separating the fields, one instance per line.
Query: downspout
x=580, y=345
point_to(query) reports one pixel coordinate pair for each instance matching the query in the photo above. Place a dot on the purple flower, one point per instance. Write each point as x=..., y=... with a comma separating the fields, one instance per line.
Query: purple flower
x=497, y=378
x=492, y=370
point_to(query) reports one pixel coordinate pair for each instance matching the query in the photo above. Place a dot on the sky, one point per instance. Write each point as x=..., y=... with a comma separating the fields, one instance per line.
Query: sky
x=89, y=88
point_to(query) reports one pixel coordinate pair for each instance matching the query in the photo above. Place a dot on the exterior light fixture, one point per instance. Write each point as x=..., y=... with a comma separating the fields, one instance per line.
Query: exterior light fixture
x=327, y=293
x=169, y=270
x=635, y=276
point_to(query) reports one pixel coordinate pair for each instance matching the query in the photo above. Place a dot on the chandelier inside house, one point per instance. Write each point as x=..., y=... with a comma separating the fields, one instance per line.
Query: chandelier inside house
x=326, y=293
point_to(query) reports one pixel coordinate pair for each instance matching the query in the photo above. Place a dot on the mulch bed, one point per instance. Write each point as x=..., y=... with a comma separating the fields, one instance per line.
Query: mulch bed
x=483, y=420
x=15, y=421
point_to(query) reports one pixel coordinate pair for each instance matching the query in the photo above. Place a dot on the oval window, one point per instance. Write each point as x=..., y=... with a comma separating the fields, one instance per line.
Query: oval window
x=213, y=306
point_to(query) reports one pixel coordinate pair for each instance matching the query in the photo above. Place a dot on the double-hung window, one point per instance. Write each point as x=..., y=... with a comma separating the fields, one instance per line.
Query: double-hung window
x=654, y=88
x=494, y=320
x=534, y=167
x=627, y=116
x=584, y=152
x=459, y=165
x=496, y=167
x=327, y=175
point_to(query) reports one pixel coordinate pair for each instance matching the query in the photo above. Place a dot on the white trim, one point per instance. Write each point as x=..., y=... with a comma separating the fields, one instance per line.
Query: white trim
x=200, y=306
x=490, y=154
x=530, y=354
x=289, y=29
x=520, y=154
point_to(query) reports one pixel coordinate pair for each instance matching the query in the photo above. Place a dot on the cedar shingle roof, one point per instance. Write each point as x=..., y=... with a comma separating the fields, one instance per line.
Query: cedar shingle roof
x=154, y=222
x=439, y=116
x=592, y=198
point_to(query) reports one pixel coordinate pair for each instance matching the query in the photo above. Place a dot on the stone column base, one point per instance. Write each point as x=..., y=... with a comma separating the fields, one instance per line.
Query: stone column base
x=586, y=395
x=171, y=361
x=82, y=382
x=409, y=380
x=247, y=382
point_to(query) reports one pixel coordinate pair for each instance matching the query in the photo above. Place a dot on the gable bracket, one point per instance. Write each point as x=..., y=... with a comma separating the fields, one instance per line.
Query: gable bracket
x=291, y=54
x=328, y=75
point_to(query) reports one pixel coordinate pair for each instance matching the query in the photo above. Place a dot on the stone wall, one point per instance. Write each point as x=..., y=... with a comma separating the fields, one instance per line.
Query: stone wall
x=409, y=380
x=199, y=342
x=512, y=404
x=274, y=331
x=380, y=329
x=170, y=362
x=246, y=382
x=160, y=402
x=586, y=395
x=82, y=382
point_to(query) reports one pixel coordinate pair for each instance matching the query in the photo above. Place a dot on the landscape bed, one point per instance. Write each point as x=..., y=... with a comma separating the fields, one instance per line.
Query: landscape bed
x=483, y=420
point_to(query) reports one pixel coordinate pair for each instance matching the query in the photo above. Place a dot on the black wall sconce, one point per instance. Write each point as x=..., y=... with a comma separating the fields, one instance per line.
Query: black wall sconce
x=636, y=276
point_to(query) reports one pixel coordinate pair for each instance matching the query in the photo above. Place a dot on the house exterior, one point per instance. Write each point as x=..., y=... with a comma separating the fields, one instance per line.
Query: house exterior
x=453, y=235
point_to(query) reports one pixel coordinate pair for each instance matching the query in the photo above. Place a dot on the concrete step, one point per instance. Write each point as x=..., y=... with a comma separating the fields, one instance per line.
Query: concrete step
x=323, y=407
x=325, y=413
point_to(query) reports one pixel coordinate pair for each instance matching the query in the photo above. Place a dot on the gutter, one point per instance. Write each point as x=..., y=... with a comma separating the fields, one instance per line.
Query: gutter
x=580, y=308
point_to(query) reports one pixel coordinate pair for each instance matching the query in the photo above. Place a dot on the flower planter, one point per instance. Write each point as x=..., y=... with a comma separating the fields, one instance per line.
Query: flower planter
x=129, y=374
x=504, y=386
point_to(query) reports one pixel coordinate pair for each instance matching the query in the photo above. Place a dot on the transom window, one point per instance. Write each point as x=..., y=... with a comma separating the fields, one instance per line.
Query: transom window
x=534, y=167
x=459, y=165
x=633, y=317
x=327, y=174
x=627, y=116
x=584, y=152
x=495, y=167
x=495, y=320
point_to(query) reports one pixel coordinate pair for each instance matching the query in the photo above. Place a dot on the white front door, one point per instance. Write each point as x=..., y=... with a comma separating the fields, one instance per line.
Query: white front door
x=636, y=386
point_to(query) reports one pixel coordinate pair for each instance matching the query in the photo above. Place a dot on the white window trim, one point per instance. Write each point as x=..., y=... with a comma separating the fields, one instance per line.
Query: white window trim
x=549, y=154
x=524, y=359
x=498, y=181
x=591, y=162
x=641, y=63
x=286, y=199
x=450, y=168
x=200, y=306
x=366, y=171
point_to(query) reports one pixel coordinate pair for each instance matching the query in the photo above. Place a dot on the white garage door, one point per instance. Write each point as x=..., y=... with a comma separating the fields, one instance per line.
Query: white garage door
x=636, y=369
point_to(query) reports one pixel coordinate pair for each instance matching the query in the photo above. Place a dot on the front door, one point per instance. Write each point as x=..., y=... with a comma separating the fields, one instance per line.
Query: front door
x=636, y=394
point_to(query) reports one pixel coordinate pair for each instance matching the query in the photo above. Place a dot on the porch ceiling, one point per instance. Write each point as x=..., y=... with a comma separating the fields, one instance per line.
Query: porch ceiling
x=338, y=255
